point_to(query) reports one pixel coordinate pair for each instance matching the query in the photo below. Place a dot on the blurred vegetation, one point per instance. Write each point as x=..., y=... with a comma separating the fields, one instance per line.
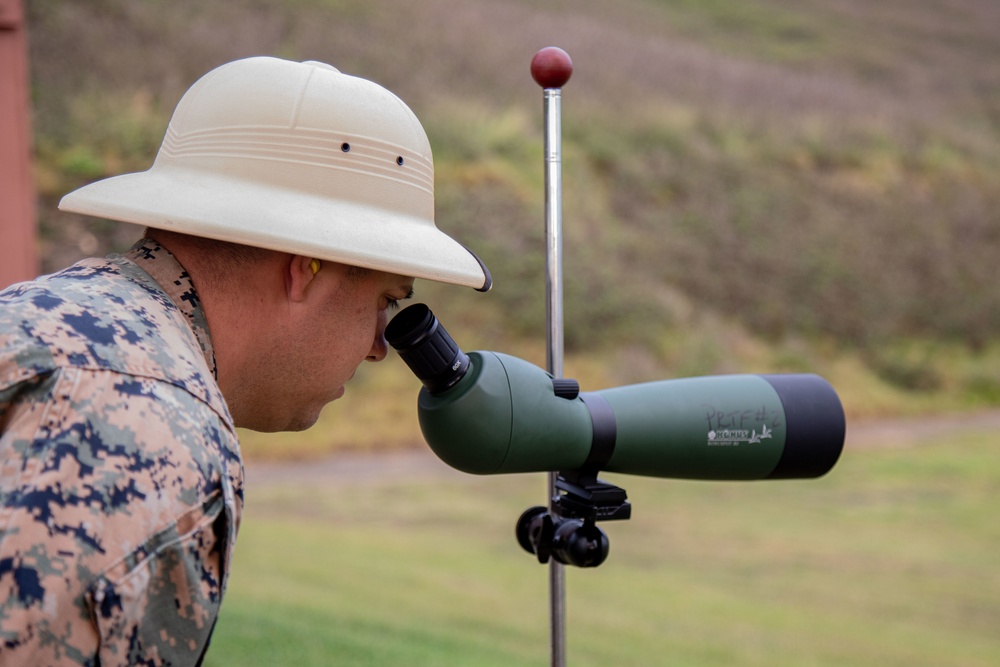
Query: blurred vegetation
x=769, y=185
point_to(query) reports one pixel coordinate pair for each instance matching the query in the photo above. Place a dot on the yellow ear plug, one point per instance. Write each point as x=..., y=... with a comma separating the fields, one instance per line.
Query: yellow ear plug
x=314, y=265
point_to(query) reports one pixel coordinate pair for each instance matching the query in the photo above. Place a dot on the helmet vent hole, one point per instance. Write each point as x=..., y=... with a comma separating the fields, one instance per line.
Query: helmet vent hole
x=346, y=147
x=399, y=160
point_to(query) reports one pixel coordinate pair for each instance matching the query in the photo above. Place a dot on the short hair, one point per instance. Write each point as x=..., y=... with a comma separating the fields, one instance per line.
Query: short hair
x=227, y=257
x=357, y=272
x=226, y=253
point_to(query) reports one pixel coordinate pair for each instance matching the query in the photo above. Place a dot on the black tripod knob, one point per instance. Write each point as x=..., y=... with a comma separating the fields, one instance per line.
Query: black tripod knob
x=570, y=541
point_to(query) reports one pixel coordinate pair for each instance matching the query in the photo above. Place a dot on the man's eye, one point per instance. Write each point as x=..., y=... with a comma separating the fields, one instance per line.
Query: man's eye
x=392, y=303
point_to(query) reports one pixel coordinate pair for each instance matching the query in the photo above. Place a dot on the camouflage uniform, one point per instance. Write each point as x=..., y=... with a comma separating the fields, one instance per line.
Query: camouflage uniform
x=121, y=485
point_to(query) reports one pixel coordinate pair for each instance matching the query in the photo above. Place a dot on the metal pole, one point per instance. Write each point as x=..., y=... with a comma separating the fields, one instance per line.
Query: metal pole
x=554, y=319
x=551, y=68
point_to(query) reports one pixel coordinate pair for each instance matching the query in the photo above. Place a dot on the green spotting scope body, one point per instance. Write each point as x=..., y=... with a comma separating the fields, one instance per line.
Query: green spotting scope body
x=503, y=416
x=490, y=413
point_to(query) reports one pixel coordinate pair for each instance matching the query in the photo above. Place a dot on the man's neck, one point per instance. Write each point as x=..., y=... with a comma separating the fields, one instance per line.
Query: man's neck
x=173, y=278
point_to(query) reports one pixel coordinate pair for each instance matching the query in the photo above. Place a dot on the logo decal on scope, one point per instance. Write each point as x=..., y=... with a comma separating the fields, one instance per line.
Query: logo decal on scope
x=732, y=428
x=734, y=437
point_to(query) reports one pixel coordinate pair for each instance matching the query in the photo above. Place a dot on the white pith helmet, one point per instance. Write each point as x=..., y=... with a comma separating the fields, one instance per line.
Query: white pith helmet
x=295, y=157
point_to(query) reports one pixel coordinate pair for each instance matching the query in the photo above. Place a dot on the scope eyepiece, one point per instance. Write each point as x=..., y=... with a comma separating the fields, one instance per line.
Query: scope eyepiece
x=427, y=348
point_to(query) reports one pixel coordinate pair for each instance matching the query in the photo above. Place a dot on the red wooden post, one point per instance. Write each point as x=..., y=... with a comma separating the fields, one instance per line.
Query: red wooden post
x=18, y=243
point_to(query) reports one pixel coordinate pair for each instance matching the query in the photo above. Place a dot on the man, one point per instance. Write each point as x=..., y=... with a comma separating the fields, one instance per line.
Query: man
x=288, y=210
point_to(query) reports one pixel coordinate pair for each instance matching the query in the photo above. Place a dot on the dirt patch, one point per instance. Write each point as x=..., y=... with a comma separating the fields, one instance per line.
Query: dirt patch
x=383, y=466
x=919, y=430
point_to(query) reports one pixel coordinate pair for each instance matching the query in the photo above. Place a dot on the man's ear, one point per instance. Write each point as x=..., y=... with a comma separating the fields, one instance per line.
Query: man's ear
x=300, y=272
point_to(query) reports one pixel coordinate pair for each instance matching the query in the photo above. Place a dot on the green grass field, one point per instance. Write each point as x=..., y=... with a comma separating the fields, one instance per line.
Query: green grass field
x=892, y=559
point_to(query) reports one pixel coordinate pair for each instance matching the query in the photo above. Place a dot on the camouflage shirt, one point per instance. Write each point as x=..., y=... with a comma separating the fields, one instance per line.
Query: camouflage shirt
x=121, y=485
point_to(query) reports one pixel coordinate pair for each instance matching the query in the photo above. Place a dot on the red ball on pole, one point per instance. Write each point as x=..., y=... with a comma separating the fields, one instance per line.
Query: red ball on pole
x=551, y=67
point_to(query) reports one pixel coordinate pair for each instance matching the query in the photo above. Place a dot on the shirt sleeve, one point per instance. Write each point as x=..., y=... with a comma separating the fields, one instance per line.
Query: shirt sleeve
x=117, y=518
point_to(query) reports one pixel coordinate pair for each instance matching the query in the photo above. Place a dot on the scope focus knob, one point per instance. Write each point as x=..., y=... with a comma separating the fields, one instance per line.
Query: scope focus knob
x=566, y=388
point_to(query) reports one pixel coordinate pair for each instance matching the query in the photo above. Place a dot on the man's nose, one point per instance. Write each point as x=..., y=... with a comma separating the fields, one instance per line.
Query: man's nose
x=380, y=347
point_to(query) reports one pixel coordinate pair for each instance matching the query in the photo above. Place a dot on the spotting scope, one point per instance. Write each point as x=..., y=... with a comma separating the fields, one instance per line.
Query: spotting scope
x=487, y=413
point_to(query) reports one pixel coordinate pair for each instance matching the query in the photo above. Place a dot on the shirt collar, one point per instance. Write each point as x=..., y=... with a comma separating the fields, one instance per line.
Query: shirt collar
x=174, y=279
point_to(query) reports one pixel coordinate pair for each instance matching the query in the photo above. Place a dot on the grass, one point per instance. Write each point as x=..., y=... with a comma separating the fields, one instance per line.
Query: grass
x=889, y=560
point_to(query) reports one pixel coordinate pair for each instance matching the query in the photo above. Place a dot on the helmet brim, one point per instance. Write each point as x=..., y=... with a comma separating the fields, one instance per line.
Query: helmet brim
x=223, y=207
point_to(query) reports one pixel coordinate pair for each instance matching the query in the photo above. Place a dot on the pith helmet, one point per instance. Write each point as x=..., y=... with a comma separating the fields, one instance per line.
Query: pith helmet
x=295, y=157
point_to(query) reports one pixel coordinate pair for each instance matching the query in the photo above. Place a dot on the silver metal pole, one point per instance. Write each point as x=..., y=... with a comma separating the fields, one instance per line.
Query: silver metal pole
x=554, y=318
x=551, y=68
x=553, y=231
